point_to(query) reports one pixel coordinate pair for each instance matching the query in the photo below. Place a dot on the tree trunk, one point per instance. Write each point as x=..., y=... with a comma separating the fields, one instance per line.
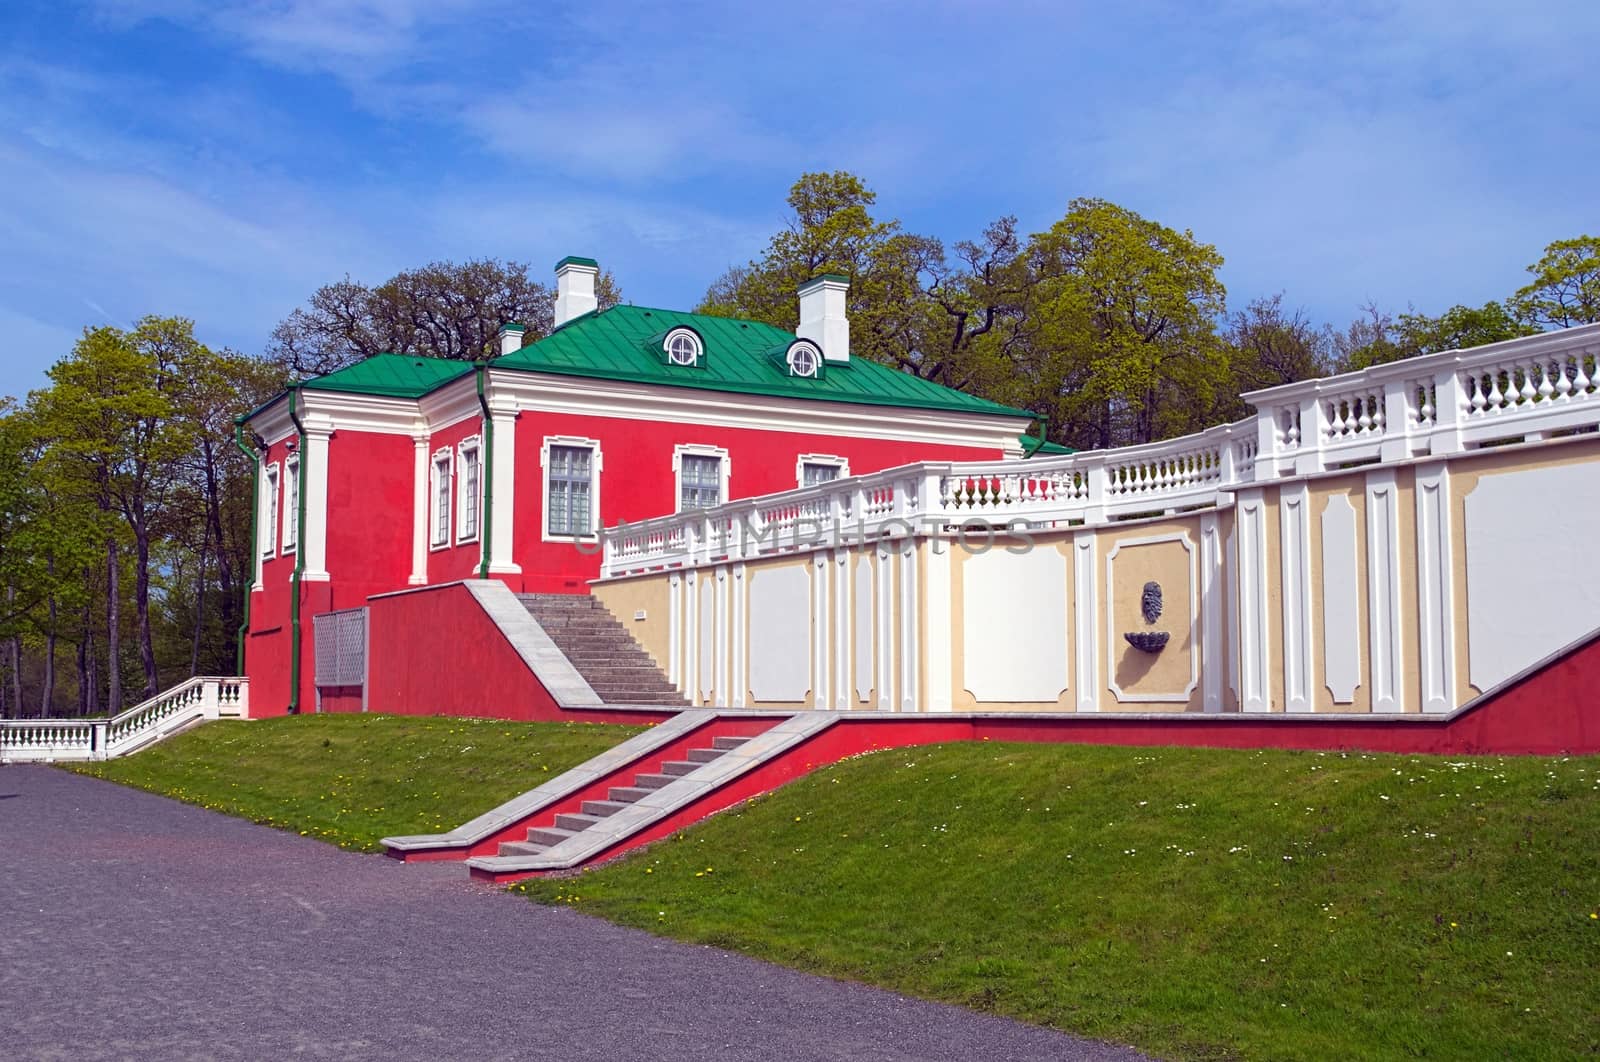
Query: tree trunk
x=16, y=658
x=47, y=691
x=141, y=606
x=199, y=602
x=113, y=628
x=229, y=609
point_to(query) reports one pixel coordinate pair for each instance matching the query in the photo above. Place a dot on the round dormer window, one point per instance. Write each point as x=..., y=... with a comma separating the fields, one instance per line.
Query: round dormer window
x=683, y=347
x=804, y=360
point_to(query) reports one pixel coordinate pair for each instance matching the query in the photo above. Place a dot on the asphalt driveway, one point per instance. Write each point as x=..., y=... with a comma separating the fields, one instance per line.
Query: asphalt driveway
x=132, y=926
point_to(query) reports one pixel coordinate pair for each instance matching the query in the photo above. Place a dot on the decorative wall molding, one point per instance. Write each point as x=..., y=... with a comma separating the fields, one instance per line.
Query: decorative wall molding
x=910, y=640
x=1114, y=640
x=937, y=559
x=1299, y=666
x=1435, y=589
x=866, y=609
x=1084, y=622
x=1213, y=635
x=1255, y=680
x=1386, y=645
x=1341, y=600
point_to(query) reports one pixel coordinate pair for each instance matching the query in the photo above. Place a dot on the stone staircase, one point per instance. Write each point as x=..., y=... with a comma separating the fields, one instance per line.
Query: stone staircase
x=567, y=825
x=602, y=650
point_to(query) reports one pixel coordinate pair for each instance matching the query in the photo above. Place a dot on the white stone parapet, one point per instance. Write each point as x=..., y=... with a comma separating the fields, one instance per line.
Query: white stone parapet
x=1527, y=389
x=61, y=740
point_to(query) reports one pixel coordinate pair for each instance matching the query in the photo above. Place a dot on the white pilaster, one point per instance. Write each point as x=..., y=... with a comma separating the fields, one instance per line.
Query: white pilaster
x=740, y=679
x=314, y=483
x=885, y=630
x=1212, y=634
x=691, y=627
x=1435, y=588
x=936, y=612
x=1294, y=523
x=675, y=631
x=503, y=527
x=841, y=628
x=910, y=640
x=722, y=636
x=1086, y=673
x=1383, y=591
x=419, y=510
x=821, y=692
x=1255, y=682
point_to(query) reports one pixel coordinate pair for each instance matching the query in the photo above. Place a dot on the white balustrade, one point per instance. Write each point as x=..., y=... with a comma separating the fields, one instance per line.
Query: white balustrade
x=46, y=740
x=1523, y=389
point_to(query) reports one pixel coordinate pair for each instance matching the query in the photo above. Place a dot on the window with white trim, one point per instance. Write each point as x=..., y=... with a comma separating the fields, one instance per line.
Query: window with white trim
x=291, y=502
x=440, y=495
x=269, y=515
x=570, y=490
x=812, y=469
x=469, y=478
x=702, y=473
x=683, y=347
x=804, y=360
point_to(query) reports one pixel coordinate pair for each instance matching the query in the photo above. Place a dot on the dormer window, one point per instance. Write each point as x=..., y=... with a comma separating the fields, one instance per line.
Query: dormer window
x=683, y=347
x=804, y=360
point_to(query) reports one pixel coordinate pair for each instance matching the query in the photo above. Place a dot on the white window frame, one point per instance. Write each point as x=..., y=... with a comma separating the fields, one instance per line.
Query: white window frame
x=812, y=351
x=725, y=471
x=270, y=505
x=443, y=460
x=695, y=341
x=800, y=463
x=471, y=445
x=291, y=503
x=596, y=466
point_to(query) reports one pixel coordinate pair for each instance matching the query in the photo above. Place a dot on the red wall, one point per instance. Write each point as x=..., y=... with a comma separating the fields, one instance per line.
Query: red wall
x=369, y=515
x=637, y=480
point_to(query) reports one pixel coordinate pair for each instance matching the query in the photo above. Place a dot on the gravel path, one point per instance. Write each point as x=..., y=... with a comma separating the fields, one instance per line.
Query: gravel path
x=132, y=926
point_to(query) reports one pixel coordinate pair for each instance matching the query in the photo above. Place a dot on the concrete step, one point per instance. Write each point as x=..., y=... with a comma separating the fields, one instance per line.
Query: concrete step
x=549, y=835
x=601, y=808
x=679, y=768
x=521, y=848
x=653, y=781
x=726, y=743
x=576, y=823
x=627, y=794
x=704, y=755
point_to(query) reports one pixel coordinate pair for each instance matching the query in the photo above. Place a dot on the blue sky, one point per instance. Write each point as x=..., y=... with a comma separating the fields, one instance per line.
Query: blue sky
x=222, y=159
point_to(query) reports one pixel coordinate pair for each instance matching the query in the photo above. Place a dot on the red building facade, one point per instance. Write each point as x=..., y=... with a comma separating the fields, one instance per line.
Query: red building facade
x=403, y=472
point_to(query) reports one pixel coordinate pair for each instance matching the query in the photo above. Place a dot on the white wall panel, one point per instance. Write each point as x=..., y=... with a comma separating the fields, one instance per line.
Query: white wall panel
x=1341, y=600
x=1014, y=625
x=780, y=633
x=1532, y=583
x=865, y=661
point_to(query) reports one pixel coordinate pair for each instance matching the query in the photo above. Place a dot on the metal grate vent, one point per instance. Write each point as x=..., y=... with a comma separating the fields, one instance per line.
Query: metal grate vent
x=341, y=644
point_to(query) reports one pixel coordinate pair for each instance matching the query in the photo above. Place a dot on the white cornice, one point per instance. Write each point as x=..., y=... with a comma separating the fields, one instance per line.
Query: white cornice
x=327, y=411
x=582, y=395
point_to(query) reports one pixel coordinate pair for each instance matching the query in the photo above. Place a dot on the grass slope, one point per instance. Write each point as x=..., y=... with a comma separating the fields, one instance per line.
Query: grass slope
x=353, y=779
x=1200, y=903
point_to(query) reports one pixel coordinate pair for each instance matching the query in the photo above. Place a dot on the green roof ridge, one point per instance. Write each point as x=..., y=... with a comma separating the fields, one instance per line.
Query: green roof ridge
x=573, y=259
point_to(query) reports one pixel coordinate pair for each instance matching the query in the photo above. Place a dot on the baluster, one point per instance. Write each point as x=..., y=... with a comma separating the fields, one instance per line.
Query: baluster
x=1496, y=399
x=1528, y=390
x=1563, y=385
x=1580, y=381
x=1546, y=388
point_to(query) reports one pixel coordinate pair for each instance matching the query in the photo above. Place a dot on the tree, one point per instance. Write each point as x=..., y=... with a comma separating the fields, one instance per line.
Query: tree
x=442, y=310
x=1457, y=328
x=1566, y=285
x=1123, y=326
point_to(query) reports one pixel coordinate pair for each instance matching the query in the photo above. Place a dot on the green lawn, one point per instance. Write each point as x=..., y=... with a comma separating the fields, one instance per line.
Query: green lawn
x=353, y=779
x=1203, y=904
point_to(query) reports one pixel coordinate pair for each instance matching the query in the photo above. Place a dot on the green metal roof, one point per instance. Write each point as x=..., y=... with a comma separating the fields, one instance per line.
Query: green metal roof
x=392, y=375
x=614, y=344
x=1029, y=442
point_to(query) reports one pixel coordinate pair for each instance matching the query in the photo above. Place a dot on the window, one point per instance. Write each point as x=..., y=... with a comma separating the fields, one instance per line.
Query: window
x=683, y=347
x=291, y=502
x=804, y=359
x=468, y=481
x=441, y=499
x=812, y=469
x=700, y=479
x=569, y=489
x=269, y=525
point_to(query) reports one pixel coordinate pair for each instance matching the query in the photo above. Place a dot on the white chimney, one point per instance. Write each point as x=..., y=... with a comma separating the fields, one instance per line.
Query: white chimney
x=575, y=295
x=511, y=338
x=822, y=315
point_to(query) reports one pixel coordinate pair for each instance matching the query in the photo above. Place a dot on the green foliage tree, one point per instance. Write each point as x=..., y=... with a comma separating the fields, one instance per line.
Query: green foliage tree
x=441, y=310
x=1565, y=290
